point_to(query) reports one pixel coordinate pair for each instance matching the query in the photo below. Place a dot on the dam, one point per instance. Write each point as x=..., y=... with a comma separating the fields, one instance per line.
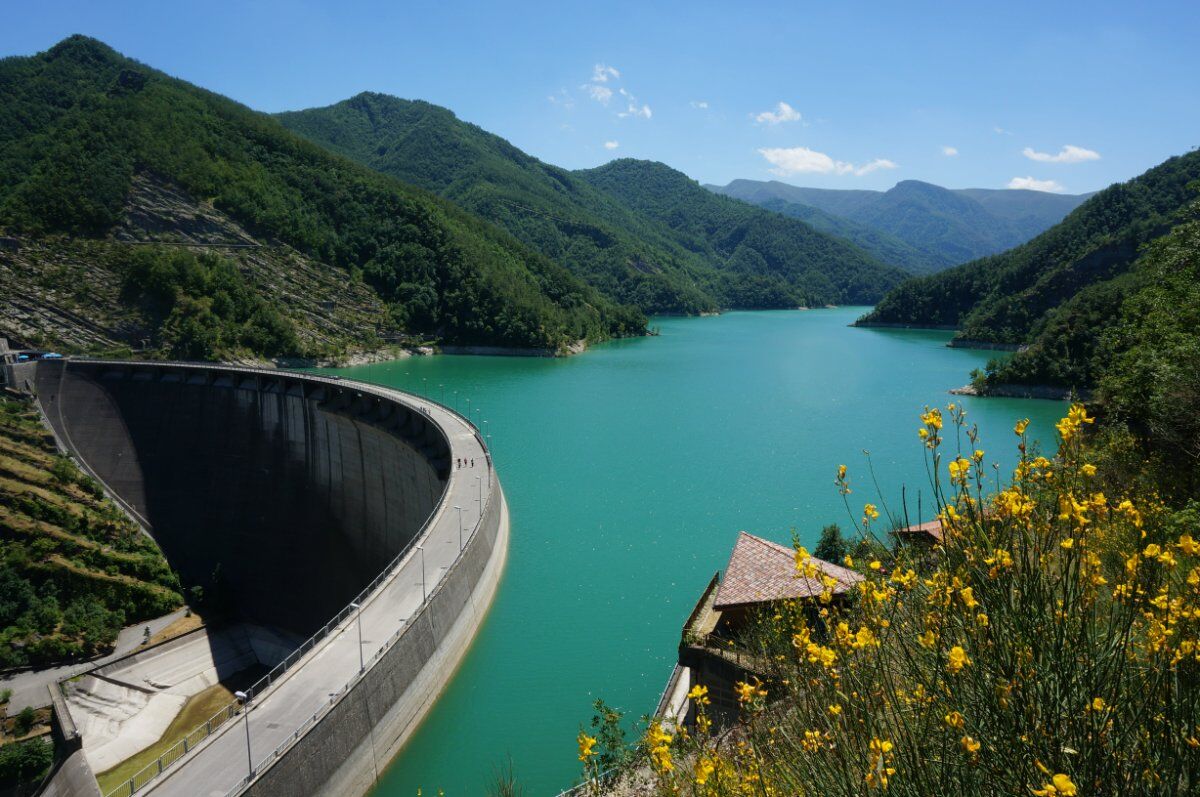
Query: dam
x=357, y=533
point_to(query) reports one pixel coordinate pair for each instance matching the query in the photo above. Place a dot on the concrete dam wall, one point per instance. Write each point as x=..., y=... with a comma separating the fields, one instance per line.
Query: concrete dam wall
x=281, y=498
x=287, y=496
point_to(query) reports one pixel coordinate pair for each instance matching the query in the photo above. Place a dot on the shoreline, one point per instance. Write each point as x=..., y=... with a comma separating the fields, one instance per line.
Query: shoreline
x=1012, y=390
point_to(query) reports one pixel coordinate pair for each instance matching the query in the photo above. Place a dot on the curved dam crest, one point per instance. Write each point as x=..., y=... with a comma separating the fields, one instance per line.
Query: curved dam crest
x=285, y=495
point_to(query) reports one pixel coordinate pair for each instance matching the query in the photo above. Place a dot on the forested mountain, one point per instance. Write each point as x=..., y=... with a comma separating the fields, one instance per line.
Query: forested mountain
x=946, y=227
x=774, y=255
x=1062, y=290
x=884, y=246
x=629, y=255
x=99, y=152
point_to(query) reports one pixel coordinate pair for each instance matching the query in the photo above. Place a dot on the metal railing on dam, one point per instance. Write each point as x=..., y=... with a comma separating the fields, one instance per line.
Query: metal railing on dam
x=388, y=604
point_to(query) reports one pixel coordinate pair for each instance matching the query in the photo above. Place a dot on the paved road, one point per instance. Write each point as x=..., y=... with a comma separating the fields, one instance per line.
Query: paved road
x=30, y=688
x=217, y=767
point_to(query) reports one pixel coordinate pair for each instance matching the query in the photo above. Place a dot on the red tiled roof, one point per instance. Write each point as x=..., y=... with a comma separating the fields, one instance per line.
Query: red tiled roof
x=931, y=528
x=760, y=570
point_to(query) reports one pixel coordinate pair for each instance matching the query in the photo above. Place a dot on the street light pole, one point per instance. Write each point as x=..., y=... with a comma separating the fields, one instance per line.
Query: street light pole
x=358, y=621
x=460, y=530
x=479, y=481
x=244, y=699
x=421, y=548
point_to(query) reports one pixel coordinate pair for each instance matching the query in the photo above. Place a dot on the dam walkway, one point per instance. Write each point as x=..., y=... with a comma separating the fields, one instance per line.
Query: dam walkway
x=228, y=760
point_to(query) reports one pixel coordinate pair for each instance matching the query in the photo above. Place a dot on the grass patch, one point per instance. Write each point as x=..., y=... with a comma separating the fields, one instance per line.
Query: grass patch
x=199, y=708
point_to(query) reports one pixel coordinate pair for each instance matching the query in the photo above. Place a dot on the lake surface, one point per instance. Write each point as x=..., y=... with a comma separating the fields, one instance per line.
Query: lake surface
x=629, y=471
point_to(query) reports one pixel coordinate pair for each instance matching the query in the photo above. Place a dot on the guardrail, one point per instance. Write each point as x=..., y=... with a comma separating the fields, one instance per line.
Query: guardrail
x=203, y=732
x=335, y=698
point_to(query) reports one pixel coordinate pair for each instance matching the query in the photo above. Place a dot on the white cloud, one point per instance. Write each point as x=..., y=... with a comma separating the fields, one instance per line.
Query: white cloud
x=601, y=94
x=602, y=87
x=875, y=165
x=1033, y=184
x=799, y=160
x=782, y=113
x=635, y=110
x=611, y=144
x=562, y=99
x=1068, y=154
x=950, y=152
x=602, y=72
x=701, y=104
x=1001, y=131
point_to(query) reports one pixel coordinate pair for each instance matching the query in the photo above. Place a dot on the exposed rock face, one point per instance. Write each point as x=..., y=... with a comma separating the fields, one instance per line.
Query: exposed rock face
x=66, y=292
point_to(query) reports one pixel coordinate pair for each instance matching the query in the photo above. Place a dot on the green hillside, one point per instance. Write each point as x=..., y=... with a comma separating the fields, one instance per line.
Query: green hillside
x=84, y=125
x=1009, y=298
x=946, y=227
x=74, y=569
x=1135, y=338
x=631, y=256
x=774, y=260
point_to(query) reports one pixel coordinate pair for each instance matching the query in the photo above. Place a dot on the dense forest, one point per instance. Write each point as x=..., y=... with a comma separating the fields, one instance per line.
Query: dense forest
x=82, y=123
x=633, y=256
x=769, y=260
x=74, y=568
x=918, y=226
x=1009, y=298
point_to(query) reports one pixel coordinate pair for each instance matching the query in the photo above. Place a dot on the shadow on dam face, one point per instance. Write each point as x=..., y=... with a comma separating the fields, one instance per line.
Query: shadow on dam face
x=281, y=496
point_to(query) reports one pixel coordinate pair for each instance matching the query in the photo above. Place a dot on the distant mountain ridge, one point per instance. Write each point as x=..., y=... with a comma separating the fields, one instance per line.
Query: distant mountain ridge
x=1060, y=291
x=630, y=255
x=939, y=227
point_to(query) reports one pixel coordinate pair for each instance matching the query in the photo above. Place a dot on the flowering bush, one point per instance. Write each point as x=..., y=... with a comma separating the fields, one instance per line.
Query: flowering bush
x=1049, y=646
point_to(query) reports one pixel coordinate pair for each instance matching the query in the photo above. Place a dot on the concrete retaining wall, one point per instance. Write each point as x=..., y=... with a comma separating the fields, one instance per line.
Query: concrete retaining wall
x=345, y=753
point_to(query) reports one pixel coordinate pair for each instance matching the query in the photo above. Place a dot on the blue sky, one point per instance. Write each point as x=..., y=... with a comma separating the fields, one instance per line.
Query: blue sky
x=1069, y=95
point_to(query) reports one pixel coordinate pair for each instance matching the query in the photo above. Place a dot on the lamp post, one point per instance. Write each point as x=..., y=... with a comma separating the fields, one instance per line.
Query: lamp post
x=424, y=388
x=442, y=387
x=244, y=699
x=460, y=529
x=358, y=621
x=479, y=481
x=468, y=410
x=421, y=548
x=454, y=398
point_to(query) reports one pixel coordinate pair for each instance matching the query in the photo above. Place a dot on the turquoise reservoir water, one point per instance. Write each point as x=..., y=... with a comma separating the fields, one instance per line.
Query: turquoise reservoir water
x=629, y=471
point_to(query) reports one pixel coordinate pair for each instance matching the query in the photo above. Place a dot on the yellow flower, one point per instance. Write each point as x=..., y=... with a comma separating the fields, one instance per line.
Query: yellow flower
x=841, y=472
x=1067, y=544
x=982, y=619
x=1098, y=704
x=586, y=743
x=927, y=639
x=954, y=719
x=1060, y=784
x=699, y=695
x=932, y=418
x=1069, y=426
x=970, y=744
x=870, y=512
x=968, y=597
x=1088, y=470
x=834, y=710
x=880, y=752
x=876, y=564
x=957, y=659
x=1021, y=426
x=959, y=468
x=747, y=692
x=1188, y=545
x=704, y=768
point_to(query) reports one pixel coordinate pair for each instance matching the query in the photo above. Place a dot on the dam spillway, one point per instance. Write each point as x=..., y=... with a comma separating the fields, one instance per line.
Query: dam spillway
x=313, y=505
